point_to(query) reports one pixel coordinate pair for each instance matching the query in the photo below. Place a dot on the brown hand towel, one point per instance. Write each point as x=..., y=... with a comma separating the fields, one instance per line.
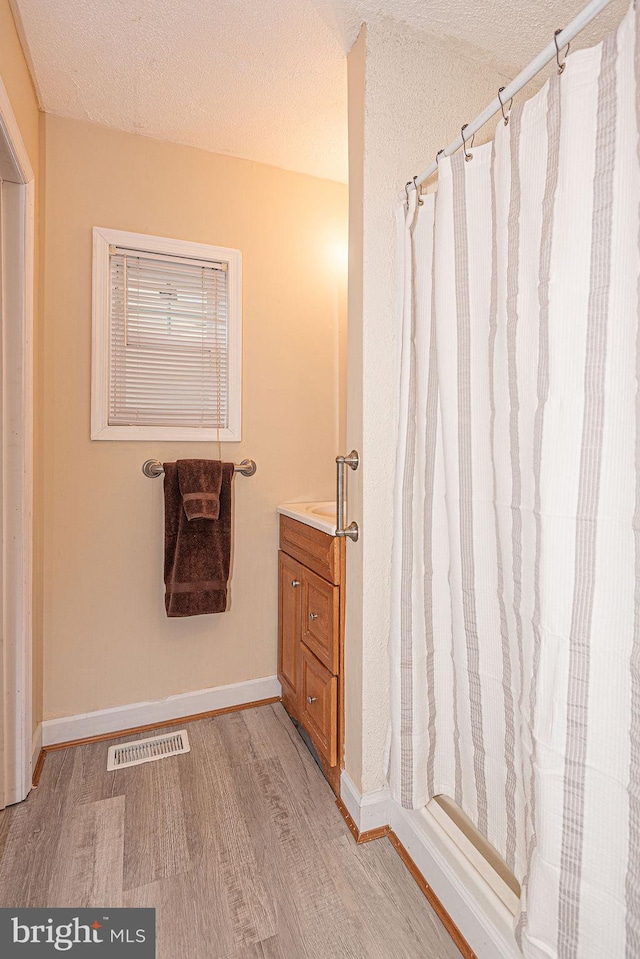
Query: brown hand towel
x=200, y=482
x=197, y=553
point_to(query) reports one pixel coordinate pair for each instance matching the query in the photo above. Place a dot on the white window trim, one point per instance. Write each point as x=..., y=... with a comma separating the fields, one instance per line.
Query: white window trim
x=100, y=429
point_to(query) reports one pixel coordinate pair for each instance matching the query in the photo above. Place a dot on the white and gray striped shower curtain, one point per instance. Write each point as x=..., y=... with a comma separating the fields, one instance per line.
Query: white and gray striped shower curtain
x=515, y=639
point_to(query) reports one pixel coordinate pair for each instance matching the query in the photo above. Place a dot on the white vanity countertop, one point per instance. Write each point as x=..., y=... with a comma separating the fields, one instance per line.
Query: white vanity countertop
x=321, y=516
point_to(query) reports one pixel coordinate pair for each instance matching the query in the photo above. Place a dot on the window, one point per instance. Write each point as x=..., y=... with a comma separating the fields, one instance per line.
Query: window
x=167, y=339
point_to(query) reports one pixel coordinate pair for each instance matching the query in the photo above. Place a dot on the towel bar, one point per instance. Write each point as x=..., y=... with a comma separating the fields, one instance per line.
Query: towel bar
x=153, y=468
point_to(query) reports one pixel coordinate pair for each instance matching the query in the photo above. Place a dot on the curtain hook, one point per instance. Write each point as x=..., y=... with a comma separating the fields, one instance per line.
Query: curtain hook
x=438, y=155
x=505, y=117
x=562, y=65
x=420, y=200
x=467, y=156
x=406, y=191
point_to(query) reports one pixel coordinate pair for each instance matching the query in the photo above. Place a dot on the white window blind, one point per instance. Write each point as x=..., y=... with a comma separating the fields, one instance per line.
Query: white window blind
x=169, y=340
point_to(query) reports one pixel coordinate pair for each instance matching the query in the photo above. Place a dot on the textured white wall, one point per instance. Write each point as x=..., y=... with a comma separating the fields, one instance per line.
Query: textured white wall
x=416, y=92
x=353, y=645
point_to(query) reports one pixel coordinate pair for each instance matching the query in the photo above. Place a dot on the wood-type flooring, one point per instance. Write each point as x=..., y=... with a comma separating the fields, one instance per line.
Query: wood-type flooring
x=238, y=845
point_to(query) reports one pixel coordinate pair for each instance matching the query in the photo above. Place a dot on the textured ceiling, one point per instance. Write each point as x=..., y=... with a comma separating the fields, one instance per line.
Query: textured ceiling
x=261, y=79
x=513, y=31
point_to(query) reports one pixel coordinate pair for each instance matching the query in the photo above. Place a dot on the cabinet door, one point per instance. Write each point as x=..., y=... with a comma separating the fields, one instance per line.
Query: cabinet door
x=321, y=619
x=289, y=610
x=319, y=703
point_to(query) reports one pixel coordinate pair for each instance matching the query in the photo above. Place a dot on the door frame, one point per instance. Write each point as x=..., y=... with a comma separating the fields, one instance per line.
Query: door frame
x=16, y=329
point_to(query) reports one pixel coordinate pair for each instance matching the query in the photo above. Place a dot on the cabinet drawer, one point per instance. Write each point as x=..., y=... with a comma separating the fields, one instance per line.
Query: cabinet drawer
x=321, y=619
x=319, y=705
x=315, y=549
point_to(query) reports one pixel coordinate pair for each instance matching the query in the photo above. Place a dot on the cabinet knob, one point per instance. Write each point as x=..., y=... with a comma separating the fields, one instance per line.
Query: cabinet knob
x=313, y=616
x=311, y=699
x=295, y=582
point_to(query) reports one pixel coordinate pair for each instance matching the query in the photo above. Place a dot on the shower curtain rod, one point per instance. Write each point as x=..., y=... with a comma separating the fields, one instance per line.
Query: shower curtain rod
x=525, y=76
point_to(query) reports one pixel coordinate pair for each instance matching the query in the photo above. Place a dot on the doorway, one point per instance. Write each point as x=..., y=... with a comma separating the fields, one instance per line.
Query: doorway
x=17, y=246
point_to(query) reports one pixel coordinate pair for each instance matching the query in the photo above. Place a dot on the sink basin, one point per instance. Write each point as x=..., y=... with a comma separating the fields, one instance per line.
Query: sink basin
x=327, y=510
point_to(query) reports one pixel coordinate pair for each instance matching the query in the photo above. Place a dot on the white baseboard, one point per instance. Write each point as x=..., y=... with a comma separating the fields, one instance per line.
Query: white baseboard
x=479, y=913
x=103, y=721
x=368, y=811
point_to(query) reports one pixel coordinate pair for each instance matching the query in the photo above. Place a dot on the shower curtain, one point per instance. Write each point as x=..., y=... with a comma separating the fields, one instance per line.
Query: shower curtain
x=515, y=625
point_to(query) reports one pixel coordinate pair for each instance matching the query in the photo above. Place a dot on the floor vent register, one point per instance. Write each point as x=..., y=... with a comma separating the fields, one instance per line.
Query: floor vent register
x=147, y=750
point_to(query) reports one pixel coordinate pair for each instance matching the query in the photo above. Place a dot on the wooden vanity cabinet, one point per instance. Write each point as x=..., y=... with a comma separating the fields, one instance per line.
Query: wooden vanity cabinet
x=311, y=637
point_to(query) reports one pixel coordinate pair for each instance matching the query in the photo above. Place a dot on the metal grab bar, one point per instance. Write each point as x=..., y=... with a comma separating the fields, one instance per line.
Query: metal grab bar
x=352, y=460
x=154, y=468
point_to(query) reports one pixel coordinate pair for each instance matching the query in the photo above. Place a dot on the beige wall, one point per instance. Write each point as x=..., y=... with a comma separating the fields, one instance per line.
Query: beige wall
x=406, y=93
x=107, y=639
x=15, y=76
